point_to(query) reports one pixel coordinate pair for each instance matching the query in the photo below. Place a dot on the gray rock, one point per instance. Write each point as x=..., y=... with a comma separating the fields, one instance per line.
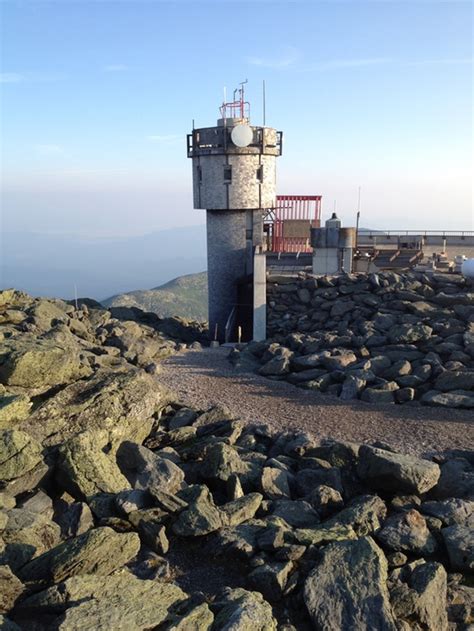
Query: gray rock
x=182, y=418
x=120, y=602
x=456, y=480
x=451, y=511
x=10, y=589
x=459, y=542
x=298, y=513
x=241, y=509
x=391, y=471
x=147, y=471
x=347, y=589
x=275, y=483
x=200, y=518
x=75, y=519
x=409, y=333
x=421, y=599
x=221, y=462
x=271, y=579
x=239, y=609
x=456, y=380
x=455, y=399
x=352, y=387
x=99, y=551
x=28, y=534
x=378, y=396
x=325, y=500
x=365, y=514
x=407, y=532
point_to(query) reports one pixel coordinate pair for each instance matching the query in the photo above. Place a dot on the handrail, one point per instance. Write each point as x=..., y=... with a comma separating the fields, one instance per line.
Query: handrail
x=396, y=233
x=229, y=325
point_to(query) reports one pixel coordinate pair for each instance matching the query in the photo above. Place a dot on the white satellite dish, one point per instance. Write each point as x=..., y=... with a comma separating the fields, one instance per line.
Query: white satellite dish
x=242, y=135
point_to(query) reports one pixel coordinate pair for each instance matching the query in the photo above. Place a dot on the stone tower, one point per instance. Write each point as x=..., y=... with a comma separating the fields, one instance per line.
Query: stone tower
x=234, y=178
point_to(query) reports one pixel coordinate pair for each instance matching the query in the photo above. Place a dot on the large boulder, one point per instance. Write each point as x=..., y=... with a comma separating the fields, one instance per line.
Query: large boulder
x=386, y=470
x=121, y=403
x=120, y=602
x=39, y=363
x=347, y=588
x=84, y=469
x=99, y=551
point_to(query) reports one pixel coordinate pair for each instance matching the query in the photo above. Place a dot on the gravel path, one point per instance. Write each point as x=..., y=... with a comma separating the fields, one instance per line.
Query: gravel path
x=202, y=378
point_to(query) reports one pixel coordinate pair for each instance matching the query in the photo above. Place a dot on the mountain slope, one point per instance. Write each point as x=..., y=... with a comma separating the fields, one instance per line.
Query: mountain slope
x=185, y=296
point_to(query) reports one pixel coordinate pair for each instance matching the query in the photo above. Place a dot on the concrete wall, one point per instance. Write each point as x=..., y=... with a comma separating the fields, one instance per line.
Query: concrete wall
x=226, y=263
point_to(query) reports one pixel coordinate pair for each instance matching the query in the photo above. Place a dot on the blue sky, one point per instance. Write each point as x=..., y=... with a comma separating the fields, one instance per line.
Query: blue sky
x=98, y=96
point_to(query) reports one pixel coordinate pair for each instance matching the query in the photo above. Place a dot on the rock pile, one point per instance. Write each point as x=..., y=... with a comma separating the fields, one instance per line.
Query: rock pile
x=384, y=338
x=121, y=509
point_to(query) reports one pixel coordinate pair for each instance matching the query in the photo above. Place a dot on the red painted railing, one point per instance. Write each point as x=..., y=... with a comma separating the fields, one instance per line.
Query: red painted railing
x=290, y=209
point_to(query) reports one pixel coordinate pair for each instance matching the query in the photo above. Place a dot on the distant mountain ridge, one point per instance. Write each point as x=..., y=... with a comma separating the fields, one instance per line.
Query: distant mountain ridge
x=54, y=264
x=184, y=296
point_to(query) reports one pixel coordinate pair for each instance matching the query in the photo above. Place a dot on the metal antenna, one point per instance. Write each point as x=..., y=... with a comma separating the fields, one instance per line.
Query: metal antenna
x=263, y=95
x=357, y=221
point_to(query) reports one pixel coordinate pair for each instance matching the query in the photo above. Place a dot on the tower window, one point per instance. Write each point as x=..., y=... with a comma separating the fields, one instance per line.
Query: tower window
x=227, y=174
x=199, y=174
x=260, y=173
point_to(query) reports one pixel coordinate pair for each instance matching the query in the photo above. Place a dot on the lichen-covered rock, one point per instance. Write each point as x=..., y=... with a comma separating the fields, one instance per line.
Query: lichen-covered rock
x=13, y=409
x=84, y=469
x=38, y=363
x=365, y=514
x=241, y=509
x=275, y=483
x=99, y=551
x=19, y=453
x=398, y=472
x=120, y=602
x=347, y=588
x=119, y=402
x=27, y=534
x=200, y=518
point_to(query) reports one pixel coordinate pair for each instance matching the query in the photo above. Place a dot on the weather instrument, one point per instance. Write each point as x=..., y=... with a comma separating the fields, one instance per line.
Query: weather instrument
x=242, y=135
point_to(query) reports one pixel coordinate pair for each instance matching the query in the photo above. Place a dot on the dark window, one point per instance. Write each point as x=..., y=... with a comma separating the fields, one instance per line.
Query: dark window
x=260, y=173
x=199, y=174
x=227, y=174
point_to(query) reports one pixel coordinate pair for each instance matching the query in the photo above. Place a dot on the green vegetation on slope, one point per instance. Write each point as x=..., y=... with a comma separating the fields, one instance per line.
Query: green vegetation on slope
x=185, y=296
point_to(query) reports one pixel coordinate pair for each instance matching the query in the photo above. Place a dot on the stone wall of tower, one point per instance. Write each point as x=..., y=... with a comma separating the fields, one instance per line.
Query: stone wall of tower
x=245, y=189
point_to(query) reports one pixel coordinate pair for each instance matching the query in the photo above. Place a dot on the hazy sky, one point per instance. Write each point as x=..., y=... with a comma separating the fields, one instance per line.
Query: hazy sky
x=99, y=95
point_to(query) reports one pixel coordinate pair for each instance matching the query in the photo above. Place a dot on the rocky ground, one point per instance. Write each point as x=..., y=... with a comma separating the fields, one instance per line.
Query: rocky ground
x=122, y=509
x=383, y=338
